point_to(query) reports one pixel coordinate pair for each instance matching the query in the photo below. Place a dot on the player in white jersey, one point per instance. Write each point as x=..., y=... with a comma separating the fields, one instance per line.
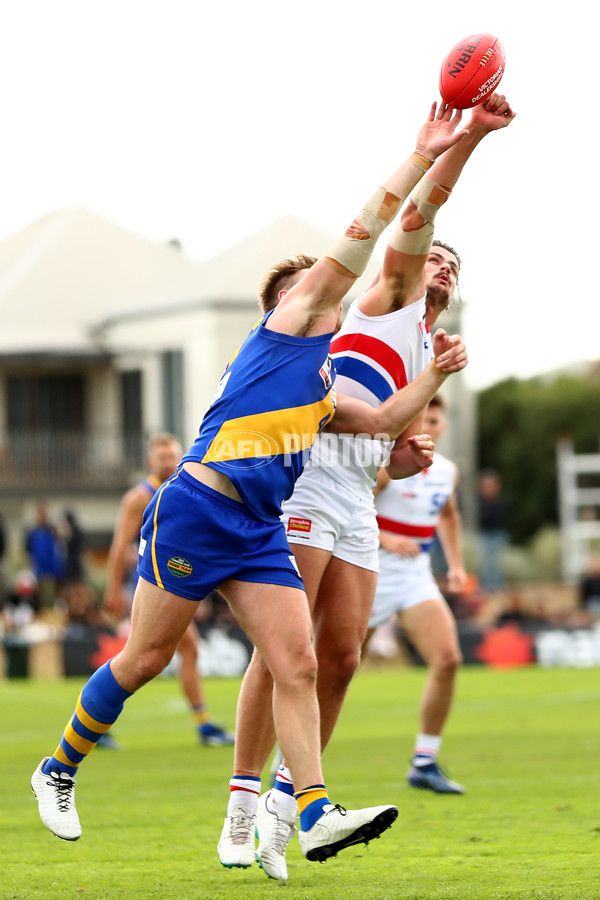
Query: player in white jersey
x=408, y=514
x=330, y=519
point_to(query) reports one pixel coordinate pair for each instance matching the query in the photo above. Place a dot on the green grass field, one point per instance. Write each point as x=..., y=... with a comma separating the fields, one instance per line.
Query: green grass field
x=525, y=742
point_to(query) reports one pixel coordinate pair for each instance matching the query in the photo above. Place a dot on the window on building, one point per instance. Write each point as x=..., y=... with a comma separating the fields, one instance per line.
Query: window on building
x=172, y=391
x=131, y=417
x=53, y=403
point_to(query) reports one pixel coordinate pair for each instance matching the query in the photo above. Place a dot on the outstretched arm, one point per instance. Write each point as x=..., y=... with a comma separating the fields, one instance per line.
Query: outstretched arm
x=311, y=306
x=402, y=278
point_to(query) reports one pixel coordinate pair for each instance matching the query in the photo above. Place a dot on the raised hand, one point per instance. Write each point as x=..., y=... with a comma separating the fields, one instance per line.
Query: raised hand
x=495, y=113
x=437, y=134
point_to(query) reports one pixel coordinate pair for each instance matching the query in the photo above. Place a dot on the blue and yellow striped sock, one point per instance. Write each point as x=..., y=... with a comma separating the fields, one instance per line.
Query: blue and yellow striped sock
x=98, y=707
x=311, y=801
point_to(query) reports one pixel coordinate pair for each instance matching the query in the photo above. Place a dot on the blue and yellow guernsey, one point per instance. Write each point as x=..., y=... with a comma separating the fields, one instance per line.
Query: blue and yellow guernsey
x=274, y=398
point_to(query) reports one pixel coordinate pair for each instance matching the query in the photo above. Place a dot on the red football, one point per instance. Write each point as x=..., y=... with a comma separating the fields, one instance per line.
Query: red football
x=472, y=71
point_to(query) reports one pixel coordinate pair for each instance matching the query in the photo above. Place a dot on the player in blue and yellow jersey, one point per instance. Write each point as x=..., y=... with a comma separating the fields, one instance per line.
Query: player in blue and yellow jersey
x=163, y=458
x=216, y=524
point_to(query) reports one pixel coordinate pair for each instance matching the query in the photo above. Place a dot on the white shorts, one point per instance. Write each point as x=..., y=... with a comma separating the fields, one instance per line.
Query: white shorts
x=325, y=514
x=402, y=583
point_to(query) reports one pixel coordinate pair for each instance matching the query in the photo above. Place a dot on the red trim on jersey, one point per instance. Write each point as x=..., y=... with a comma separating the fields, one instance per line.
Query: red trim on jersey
x=421, y=531
x=376, y=350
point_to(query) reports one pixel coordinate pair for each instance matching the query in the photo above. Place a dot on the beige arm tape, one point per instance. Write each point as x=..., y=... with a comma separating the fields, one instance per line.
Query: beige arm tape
x=428, y=196
x=351, y=253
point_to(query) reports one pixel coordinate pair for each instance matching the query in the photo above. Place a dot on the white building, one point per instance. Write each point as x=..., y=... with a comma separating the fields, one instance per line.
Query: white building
x=106, y=337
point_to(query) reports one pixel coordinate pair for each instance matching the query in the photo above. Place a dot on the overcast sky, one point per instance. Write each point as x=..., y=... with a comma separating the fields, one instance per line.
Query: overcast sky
x=205, y=121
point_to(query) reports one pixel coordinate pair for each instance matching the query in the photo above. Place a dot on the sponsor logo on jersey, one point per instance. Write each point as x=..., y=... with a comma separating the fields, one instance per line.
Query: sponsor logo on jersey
x=142, y=546
x=325, y=373
x=179, y=567
x=295, y=524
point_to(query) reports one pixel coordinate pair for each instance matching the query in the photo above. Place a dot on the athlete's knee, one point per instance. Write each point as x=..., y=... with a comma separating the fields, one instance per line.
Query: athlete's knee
x=305, y=666
x=446, y=659
x=148, y=664
x=297, y=670
x=339, y=664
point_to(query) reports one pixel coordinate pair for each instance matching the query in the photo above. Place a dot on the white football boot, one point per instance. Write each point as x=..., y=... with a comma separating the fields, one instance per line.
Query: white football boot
x=275, y=829
x=236, y=847
x=55, y=794
x=338, y=828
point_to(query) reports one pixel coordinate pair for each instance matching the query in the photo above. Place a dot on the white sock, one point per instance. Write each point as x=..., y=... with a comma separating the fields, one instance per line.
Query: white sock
x=280, y=800
x=427, y=747
x=244, y=791
x=281, y=795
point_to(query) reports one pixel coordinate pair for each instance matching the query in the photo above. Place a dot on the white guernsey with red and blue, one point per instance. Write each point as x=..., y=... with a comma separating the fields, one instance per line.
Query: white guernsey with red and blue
x=374, y=356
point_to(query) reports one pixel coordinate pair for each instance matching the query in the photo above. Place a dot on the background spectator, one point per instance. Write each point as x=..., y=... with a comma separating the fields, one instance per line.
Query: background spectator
x=589, y=589
x=45, y=555
x=22, y=602
x=493, y=533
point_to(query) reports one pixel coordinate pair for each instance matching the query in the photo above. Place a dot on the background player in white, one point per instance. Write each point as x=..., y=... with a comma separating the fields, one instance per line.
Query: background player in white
x=409, y=511
x=330, y=519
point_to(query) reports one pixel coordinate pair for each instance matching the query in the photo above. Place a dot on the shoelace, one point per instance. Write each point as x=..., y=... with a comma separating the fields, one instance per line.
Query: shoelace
x=341, y=809
x=282, y=832
x=64, y=791
x=241, y=828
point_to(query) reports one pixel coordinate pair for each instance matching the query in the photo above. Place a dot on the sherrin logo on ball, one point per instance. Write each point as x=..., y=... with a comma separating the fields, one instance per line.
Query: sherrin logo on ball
x=472, y=70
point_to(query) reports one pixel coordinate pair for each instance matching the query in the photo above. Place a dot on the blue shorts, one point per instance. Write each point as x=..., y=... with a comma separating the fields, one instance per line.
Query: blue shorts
x=194, y=538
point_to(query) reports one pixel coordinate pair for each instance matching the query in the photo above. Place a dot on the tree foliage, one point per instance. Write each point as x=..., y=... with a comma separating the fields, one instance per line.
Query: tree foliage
x=520, y=423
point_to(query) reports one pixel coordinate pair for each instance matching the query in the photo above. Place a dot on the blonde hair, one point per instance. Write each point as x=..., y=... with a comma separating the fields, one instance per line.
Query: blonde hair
x=281, y=277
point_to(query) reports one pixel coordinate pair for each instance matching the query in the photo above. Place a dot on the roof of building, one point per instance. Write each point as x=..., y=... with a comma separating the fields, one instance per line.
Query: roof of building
x=72, y=271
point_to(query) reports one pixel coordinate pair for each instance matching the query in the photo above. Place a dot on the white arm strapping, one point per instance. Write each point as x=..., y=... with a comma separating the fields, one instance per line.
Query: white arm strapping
x=353, y=250
x=428, y=196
